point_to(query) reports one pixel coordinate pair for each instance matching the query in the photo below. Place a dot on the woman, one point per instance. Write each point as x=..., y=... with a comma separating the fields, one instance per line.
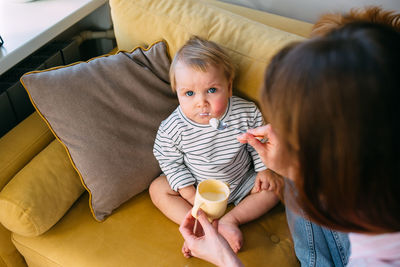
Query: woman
x=333, y=112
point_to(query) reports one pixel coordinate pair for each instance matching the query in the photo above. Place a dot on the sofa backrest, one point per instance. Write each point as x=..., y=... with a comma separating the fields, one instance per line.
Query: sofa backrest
x=250, y=43
x=310, y=10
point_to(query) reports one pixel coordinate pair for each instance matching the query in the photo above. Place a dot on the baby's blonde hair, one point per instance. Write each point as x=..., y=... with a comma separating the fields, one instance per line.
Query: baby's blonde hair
x=199, y=54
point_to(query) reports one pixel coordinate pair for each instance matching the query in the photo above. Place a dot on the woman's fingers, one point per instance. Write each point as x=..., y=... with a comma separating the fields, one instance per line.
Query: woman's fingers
x=215, y=225
x=260, y=131
x=255, y=143
x=270, y=152
x=186, y=227
x=211, y=246
x=208, y=228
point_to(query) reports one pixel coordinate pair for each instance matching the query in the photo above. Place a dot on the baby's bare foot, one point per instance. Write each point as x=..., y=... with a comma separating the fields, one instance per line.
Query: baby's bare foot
x=232, y=234
x=186, y=251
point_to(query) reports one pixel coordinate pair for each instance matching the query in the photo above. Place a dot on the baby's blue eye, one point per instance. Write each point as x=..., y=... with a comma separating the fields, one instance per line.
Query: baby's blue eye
x=212, y=90
x=189, y=93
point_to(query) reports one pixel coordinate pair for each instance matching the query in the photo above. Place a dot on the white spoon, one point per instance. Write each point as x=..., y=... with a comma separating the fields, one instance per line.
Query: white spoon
x=220, y=126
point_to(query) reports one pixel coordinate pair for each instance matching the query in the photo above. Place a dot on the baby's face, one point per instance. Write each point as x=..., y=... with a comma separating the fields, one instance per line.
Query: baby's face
x=202, y=95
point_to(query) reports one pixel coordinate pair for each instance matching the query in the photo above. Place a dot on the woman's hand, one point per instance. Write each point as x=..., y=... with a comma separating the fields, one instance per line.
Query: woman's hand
x=211, y=246
x=270, y=152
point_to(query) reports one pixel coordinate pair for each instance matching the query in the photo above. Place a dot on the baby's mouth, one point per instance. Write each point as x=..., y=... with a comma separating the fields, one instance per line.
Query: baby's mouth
x=205, y=114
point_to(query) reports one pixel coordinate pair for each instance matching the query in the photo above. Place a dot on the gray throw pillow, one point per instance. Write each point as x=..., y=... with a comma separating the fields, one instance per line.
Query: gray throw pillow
x=106, y=113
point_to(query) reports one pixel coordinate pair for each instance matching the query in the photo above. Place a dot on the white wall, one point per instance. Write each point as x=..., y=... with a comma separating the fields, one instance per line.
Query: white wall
x=310, y=10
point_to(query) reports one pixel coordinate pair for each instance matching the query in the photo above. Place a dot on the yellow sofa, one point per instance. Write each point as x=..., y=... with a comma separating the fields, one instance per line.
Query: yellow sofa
x=136, y=234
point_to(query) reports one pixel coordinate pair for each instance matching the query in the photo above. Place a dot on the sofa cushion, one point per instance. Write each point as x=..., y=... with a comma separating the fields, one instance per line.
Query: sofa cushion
x=138, y=234
x=250, y=44
x=21, y=144
x=9, y=256
x=106, y=112
x=41, y=193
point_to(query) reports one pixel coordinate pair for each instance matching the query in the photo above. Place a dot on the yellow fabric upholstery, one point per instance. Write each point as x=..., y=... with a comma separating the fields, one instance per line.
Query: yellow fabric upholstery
x=250, y=44
x=17, y=147
x=282, y=23
x=9, y=256
x=138, y=234
x=40, y=194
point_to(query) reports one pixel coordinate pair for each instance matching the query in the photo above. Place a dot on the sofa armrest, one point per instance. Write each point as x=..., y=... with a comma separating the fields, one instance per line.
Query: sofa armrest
x=21, y=144
x=40, y=193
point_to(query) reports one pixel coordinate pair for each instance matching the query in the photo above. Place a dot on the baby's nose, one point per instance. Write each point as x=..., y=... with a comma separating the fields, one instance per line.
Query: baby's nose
x=202, y=101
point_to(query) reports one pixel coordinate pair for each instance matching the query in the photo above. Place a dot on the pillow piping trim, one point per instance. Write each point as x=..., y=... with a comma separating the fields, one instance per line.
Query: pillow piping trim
x=51, y=129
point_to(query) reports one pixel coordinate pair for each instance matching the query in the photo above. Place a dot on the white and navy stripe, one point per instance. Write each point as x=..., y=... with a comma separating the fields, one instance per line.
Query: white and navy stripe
x=189, y=153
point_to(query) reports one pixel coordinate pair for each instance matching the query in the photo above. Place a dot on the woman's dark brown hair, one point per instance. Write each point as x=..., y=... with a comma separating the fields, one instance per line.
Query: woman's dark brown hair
x=335, y=103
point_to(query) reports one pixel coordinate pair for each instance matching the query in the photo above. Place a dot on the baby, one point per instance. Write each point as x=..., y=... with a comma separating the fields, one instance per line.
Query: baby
x=189, y=150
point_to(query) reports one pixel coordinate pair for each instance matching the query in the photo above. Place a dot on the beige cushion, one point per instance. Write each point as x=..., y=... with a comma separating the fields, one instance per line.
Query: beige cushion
x=106, y=112
x=250, y=44
x=41, y=193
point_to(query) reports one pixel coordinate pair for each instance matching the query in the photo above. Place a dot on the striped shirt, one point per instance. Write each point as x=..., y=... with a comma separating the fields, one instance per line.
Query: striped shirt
x=189, y=153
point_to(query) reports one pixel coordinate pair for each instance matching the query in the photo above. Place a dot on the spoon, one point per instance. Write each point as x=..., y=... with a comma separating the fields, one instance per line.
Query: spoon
x=220, y=125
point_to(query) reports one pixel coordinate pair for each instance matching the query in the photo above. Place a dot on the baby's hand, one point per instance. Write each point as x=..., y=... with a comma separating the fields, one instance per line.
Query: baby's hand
x=268, y=180
x=262, y=182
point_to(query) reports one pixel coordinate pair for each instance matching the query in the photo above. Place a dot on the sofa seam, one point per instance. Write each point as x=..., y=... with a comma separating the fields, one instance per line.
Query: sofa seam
x=32, y=250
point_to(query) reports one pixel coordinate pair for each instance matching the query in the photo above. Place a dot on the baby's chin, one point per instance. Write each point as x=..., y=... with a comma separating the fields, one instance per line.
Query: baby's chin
x=202, y=119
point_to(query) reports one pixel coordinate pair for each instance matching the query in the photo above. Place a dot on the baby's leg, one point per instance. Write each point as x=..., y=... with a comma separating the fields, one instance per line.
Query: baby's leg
x=250, y=208
x=168, y=201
